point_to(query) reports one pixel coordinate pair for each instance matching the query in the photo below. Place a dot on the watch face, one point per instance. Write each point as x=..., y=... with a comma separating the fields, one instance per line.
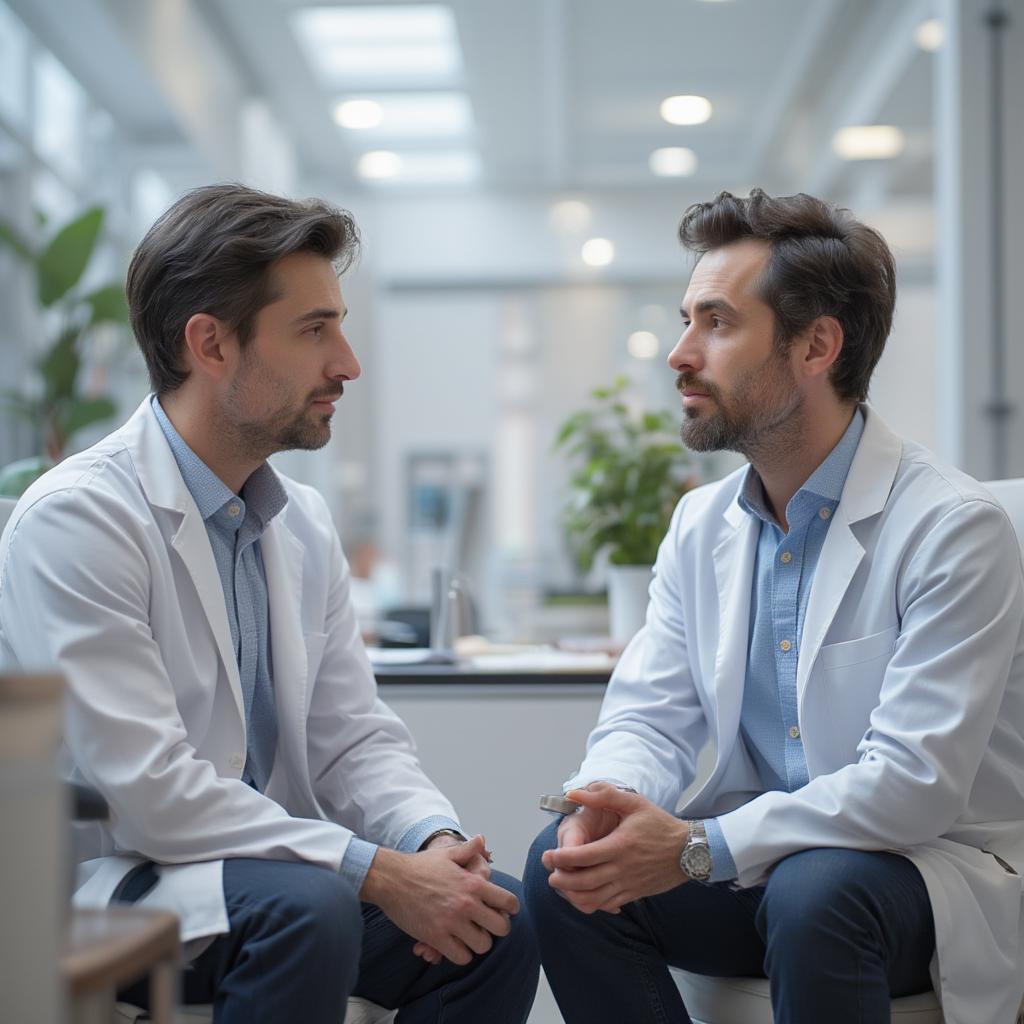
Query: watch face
x=696, y=862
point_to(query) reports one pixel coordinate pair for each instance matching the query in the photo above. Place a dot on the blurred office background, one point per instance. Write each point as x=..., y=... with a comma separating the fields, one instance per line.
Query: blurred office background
x=518, y=177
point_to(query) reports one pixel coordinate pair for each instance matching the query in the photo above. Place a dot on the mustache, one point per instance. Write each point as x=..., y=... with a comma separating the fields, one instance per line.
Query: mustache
x=684, y=381
x=330, y=395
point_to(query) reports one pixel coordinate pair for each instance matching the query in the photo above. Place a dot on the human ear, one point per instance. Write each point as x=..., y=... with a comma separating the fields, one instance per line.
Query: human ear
x=208, y=345
x=823, y=343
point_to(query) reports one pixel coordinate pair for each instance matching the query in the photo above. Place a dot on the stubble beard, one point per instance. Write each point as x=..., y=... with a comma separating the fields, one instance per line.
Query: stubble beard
x=281, y=429
x=766, y=417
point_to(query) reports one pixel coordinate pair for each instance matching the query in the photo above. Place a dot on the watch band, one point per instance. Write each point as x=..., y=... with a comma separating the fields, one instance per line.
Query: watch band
x=695, y=859
x=442, y=832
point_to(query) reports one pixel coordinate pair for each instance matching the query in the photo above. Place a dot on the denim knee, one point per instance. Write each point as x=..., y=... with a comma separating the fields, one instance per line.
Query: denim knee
x=815, y=895
x=540, y=897
x=309, y=906
x=520, y=944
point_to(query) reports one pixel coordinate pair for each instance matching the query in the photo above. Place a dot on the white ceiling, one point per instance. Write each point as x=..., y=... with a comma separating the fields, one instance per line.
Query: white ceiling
x=564, y=93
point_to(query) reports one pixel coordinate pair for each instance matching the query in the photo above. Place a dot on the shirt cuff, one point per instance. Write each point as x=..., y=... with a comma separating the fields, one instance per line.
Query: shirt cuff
x=414, y=837
x=723, y=867
x=357, y=860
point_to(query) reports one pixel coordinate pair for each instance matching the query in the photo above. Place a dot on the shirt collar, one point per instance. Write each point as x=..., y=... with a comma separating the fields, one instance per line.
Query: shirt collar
x=264, y=494
x=824, y=484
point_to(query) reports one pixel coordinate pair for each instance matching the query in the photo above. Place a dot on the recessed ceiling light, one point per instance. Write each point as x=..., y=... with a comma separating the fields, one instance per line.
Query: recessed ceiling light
x=404, y=40
x=358, y=114
x=433, y=167
x=686, y=109
x=597, y=252
x=570, y=215
x=868, y=142
x=378, y=165
x=408, y=115
x=673, y=162
x=642, y=345
x=929, y=35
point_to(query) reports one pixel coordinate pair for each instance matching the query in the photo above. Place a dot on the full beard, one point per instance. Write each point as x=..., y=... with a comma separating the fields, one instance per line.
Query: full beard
x=765, y=414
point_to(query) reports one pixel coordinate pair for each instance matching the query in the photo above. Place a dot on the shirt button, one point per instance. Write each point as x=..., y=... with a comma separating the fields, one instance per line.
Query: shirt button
x=233, y=510
x=794, y=732
x=785, y=645
x=825, y=512
x=786, y=557
x=236, y=761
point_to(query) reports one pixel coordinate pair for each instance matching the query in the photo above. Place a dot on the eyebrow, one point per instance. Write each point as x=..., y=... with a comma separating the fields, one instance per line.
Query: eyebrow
x=320, y=314
x=710, y=306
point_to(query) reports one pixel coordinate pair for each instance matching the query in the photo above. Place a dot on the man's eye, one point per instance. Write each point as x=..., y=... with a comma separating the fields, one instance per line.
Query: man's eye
x=316, y=329
x=716, y=322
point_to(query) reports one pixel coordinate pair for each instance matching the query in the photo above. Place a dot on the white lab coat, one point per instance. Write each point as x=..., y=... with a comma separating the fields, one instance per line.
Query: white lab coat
x=106, y=572
x=910, y=686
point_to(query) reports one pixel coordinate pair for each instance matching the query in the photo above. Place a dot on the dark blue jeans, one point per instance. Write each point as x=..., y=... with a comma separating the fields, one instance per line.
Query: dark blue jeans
x=301, y=942
x=837, y=932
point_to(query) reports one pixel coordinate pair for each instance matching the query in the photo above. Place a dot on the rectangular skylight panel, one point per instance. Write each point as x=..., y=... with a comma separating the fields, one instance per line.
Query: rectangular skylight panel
x=379, y=42
x=408, y=115
x=452, y=167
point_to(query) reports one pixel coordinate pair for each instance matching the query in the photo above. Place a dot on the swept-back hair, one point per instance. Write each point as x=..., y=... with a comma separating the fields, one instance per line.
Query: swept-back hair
x=822, y=262
x=212, y=252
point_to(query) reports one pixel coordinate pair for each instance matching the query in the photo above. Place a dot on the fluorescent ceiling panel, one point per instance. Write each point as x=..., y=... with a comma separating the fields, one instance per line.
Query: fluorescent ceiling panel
x=378, y=43
x=408, y=115
x=449, y=167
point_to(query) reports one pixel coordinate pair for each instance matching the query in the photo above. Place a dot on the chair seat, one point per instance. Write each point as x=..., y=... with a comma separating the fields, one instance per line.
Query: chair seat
x=360, y=1011
x=747, y=1001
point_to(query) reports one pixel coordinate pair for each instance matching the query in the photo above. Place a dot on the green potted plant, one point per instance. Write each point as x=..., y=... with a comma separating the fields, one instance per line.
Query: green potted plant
x=628, y=471
x=60, y=406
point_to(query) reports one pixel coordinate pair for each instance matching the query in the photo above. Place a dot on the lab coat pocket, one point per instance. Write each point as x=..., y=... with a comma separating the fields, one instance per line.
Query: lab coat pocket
x=852, y=674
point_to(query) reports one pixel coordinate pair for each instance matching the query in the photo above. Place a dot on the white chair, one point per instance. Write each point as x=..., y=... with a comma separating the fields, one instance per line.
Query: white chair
x=360, y=1011
x=746, y=1000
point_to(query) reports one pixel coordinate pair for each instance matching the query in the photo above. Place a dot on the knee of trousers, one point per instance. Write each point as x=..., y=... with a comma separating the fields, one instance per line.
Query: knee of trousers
x=520, y=944
x=541, y=900
x=813, y=899
x=319, y=913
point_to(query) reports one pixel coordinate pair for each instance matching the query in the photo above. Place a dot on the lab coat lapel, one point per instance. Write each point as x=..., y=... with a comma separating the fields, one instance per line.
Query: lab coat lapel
x=734, y=571
x=864, y=495
x=165, y=489
x=283, y=559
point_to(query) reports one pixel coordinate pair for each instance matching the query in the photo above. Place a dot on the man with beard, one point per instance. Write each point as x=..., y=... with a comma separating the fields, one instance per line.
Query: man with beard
x=219, y=696
x=842, y=620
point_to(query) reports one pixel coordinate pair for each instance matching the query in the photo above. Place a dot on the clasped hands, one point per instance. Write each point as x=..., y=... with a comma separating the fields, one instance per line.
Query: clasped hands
x=617, y=848
x=442, y=897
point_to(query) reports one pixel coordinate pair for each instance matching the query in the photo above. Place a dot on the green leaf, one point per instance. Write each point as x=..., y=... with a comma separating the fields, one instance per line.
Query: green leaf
x=59, y=366
x=16, y=477
x=80, y=412
x=108, y=305
x=10, y=237
x=64, y=260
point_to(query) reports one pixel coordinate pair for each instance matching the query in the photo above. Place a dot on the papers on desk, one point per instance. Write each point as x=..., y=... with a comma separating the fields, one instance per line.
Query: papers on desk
x=383, y=657
x=508, y=659
x=541, y=660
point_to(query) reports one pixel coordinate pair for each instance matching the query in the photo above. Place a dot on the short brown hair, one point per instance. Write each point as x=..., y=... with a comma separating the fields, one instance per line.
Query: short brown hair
x=822, y=262
x=212, y=252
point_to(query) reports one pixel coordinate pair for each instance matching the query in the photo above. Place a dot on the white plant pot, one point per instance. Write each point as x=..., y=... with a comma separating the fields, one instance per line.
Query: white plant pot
x=627, y=600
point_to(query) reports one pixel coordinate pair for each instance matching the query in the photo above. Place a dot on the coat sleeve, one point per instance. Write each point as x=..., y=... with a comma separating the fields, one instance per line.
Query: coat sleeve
x=961, y=606
x=652, y=725
x=362, y=758
x=75, y=585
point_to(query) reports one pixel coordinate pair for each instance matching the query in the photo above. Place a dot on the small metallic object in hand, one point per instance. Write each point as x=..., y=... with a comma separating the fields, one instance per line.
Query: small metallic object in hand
x=559, y=804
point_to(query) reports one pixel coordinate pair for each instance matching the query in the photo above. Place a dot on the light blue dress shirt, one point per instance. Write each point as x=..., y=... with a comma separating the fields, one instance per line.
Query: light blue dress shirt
x=234, y=524
x=784, y=569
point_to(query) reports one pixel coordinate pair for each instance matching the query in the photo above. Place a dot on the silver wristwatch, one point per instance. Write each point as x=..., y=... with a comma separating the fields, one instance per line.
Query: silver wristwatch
x=695, y=859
